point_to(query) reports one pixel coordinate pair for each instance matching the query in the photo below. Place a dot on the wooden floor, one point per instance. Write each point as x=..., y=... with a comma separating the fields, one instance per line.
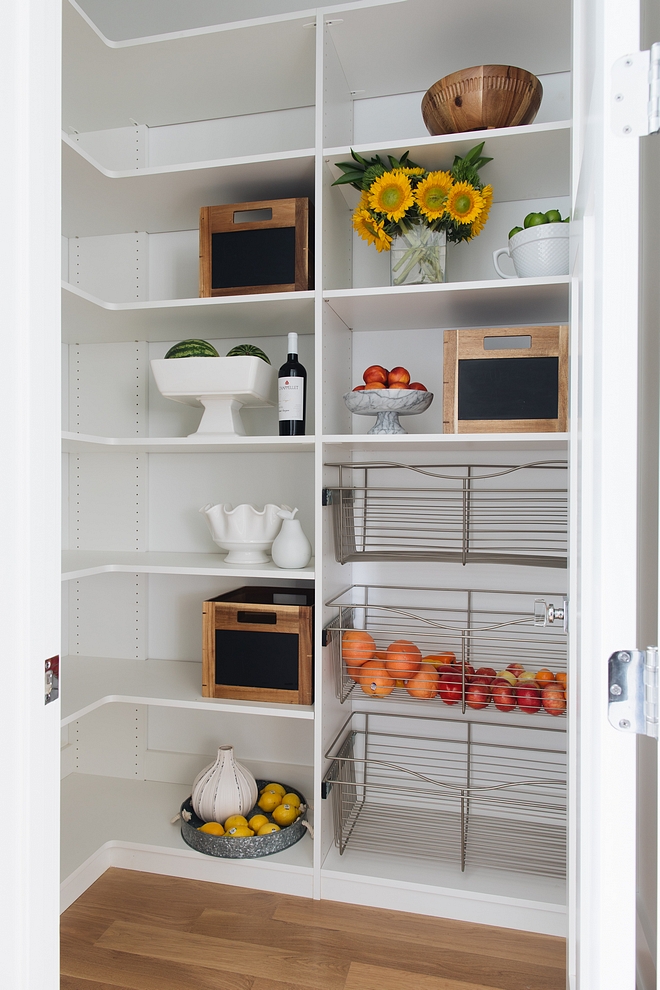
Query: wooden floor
x=147, y=932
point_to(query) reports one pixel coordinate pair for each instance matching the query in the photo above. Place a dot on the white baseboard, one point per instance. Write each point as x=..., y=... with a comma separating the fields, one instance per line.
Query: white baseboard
x=476, y=908
x=189, y=865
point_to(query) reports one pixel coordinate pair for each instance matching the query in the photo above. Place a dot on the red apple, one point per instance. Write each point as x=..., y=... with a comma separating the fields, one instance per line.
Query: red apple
x=398, y=375
x=375, y=373
x=553, y=699
x=450, y=688
x=482, y=679
x=477, y=695
x=486, y=672
x=529, y=697
x=504, y=697
x=359, y=388
x=371, y=385
x=395, y=386
x=506, y=675
x=516, y=668
x=469, y=671
x=418, y=387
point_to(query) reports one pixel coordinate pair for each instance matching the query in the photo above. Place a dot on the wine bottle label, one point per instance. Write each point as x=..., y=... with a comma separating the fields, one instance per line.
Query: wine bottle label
x=290, y=392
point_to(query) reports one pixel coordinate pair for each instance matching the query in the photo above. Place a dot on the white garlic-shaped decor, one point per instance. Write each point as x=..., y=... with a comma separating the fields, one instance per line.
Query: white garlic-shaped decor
x=223, y=788
x=291, y=547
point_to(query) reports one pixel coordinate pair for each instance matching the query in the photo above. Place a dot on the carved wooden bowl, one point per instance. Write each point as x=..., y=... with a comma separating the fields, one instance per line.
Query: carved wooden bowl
x=482, y=97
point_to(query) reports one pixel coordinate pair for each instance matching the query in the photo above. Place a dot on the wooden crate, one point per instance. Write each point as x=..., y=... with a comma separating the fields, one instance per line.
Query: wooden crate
x=520, y=388
x=258, y=645
x=241, y=252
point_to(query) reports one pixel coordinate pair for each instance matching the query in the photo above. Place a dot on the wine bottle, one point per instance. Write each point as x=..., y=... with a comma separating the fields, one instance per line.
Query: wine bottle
x=292, y=392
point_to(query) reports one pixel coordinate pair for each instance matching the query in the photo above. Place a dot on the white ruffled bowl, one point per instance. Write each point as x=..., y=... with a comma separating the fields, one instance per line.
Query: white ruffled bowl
x=246, y=532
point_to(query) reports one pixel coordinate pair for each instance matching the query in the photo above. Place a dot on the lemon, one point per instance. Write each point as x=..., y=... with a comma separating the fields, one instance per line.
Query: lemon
x=269, y=800
x=257, y=821
x=235, y=820
x=291, y=799
x=274, y=787
x=212, y=828
x=284, y=814
x=268, y=828
x=240, y=832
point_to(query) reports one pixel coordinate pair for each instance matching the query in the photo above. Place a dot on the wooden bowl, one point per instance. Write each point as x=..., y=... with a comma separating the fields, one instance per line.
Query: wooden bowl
x=482, y=97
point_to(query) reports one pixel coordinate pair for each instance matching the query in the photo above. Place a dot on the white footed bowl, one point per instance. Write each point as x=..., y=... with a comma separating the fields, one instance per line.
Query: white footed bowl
x=387, y=405
x=222, y=385
x=245, y=531
x=537, y=251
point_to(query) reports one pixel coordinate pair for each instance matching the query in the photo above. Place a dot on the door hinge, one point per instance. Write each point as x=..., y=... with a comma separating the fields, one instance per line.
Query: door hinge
x=633, y=691
x=635, y=101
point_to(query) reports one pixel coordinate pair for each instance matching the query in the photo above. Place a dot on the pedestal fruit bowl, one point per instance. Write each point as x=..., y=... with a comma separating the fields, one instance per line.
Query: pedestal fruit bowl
x=221, y=385
x=245, y=531
x=387, y=405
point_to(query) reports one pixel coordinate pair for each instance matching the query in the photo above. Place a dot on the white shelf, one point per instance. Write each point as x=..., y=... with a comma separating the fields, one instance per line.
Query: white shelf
x=88, y=683
x=449, y=442
x=98, y=810
x=221, y=71
x=525, y=159
x=87, y=319
x=496, y=303
x=85, y=563
x=97, y=201
x=81, y=443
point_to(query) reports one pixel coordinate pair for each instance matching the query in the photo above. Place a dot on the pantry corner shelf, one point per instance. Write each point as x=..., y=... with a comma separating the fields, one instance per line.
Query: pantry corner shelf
x=88, y=319
x=91, y=682
x=85, y=563
x=81, y=443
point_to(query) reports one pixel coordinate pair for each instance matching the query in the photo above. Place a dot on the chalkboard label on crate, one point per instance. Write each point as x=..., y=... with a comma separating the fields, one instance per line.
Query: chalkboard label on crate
x=253, y=257
x=508, y=388
x=506, y=380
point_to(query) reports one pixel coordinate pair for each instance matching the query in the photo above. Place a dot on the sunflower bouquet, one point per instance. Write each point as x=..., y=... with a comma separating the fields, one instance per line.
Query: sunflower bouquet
x=403, y=208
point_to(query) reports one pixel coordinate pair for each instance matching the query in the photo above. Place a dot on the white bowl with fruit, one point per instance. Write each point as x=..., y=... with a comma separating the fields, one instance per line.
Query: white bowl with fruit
x=388, y=395
x=221, y=385
x=539, y=249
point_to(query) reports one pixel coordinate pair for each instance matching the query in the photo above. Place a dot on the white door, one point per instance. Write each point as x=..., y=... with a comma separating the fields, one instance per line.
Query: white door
x=29, y=497
x=615, y=415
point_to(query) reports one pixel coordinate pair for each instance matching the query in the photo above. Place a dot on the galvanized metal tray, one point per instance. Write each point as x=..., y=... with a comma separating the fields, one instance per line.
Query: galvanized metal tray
x=249, y=847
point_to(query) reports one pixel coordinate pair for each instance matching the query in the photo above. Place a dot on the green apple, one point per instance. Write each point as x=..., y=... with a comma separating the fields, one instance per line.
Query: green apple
x=535, y=219
x=513, y=231
x=553, y=216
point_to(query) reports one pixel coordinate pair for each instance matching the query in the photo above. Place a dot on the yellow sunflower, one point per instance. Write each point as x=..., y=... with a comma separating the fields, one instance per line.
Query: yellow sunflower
x=480, y=221
x=370, y=229
x=464, y=203
x=391, y=194
x=412, y=171
x=431, y=194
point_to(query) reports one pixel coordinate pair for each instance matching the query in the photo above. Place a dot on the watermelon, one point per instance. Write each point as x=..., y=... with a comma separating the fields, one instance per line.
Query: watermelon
x=248, y=350
x=192, y=348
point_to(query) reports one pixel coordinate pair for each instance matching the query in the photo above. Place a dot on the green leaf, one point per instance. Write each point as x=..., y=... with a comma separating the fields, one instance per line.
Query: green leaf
x=358, y=158
x=353, y=179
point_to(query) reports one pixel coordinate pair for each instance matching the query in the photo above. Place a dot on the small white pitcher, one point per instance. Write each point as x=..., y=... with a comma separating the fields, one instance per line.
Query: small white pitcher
x=291, y=547
x=537, y=251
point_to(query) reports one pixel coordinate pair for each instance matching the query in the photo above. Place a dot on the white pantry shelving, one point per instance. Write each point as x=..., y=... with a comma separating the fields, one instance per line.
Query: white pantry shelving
x=85, y=563
x=86, y=318
x=157, y=127
x=90, y=682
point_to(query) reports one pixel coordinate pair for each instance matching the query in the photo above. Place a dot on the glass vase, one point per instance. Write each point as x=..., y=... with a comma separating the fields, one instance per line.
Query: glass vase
x=418, y=257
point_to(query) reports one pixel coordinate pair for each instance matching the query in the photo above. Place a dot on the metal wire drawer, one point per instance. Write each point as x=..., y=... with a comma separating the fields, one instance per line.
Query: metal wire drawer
x=480, y=513
x=482, y=629
x=474, y=794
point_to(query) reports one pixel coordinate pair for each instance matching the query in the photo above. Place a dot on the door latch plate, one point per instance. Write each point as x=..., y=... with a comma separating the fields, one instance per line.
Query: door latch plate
x=51, y=679
x=633, y=691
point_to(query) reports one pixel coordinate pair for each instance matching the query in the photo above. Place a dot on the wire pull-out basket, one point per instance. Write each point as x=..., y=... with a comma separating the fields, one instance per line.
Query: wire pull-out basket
x=480, y=628
x=476, y=795
x=480, y=513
